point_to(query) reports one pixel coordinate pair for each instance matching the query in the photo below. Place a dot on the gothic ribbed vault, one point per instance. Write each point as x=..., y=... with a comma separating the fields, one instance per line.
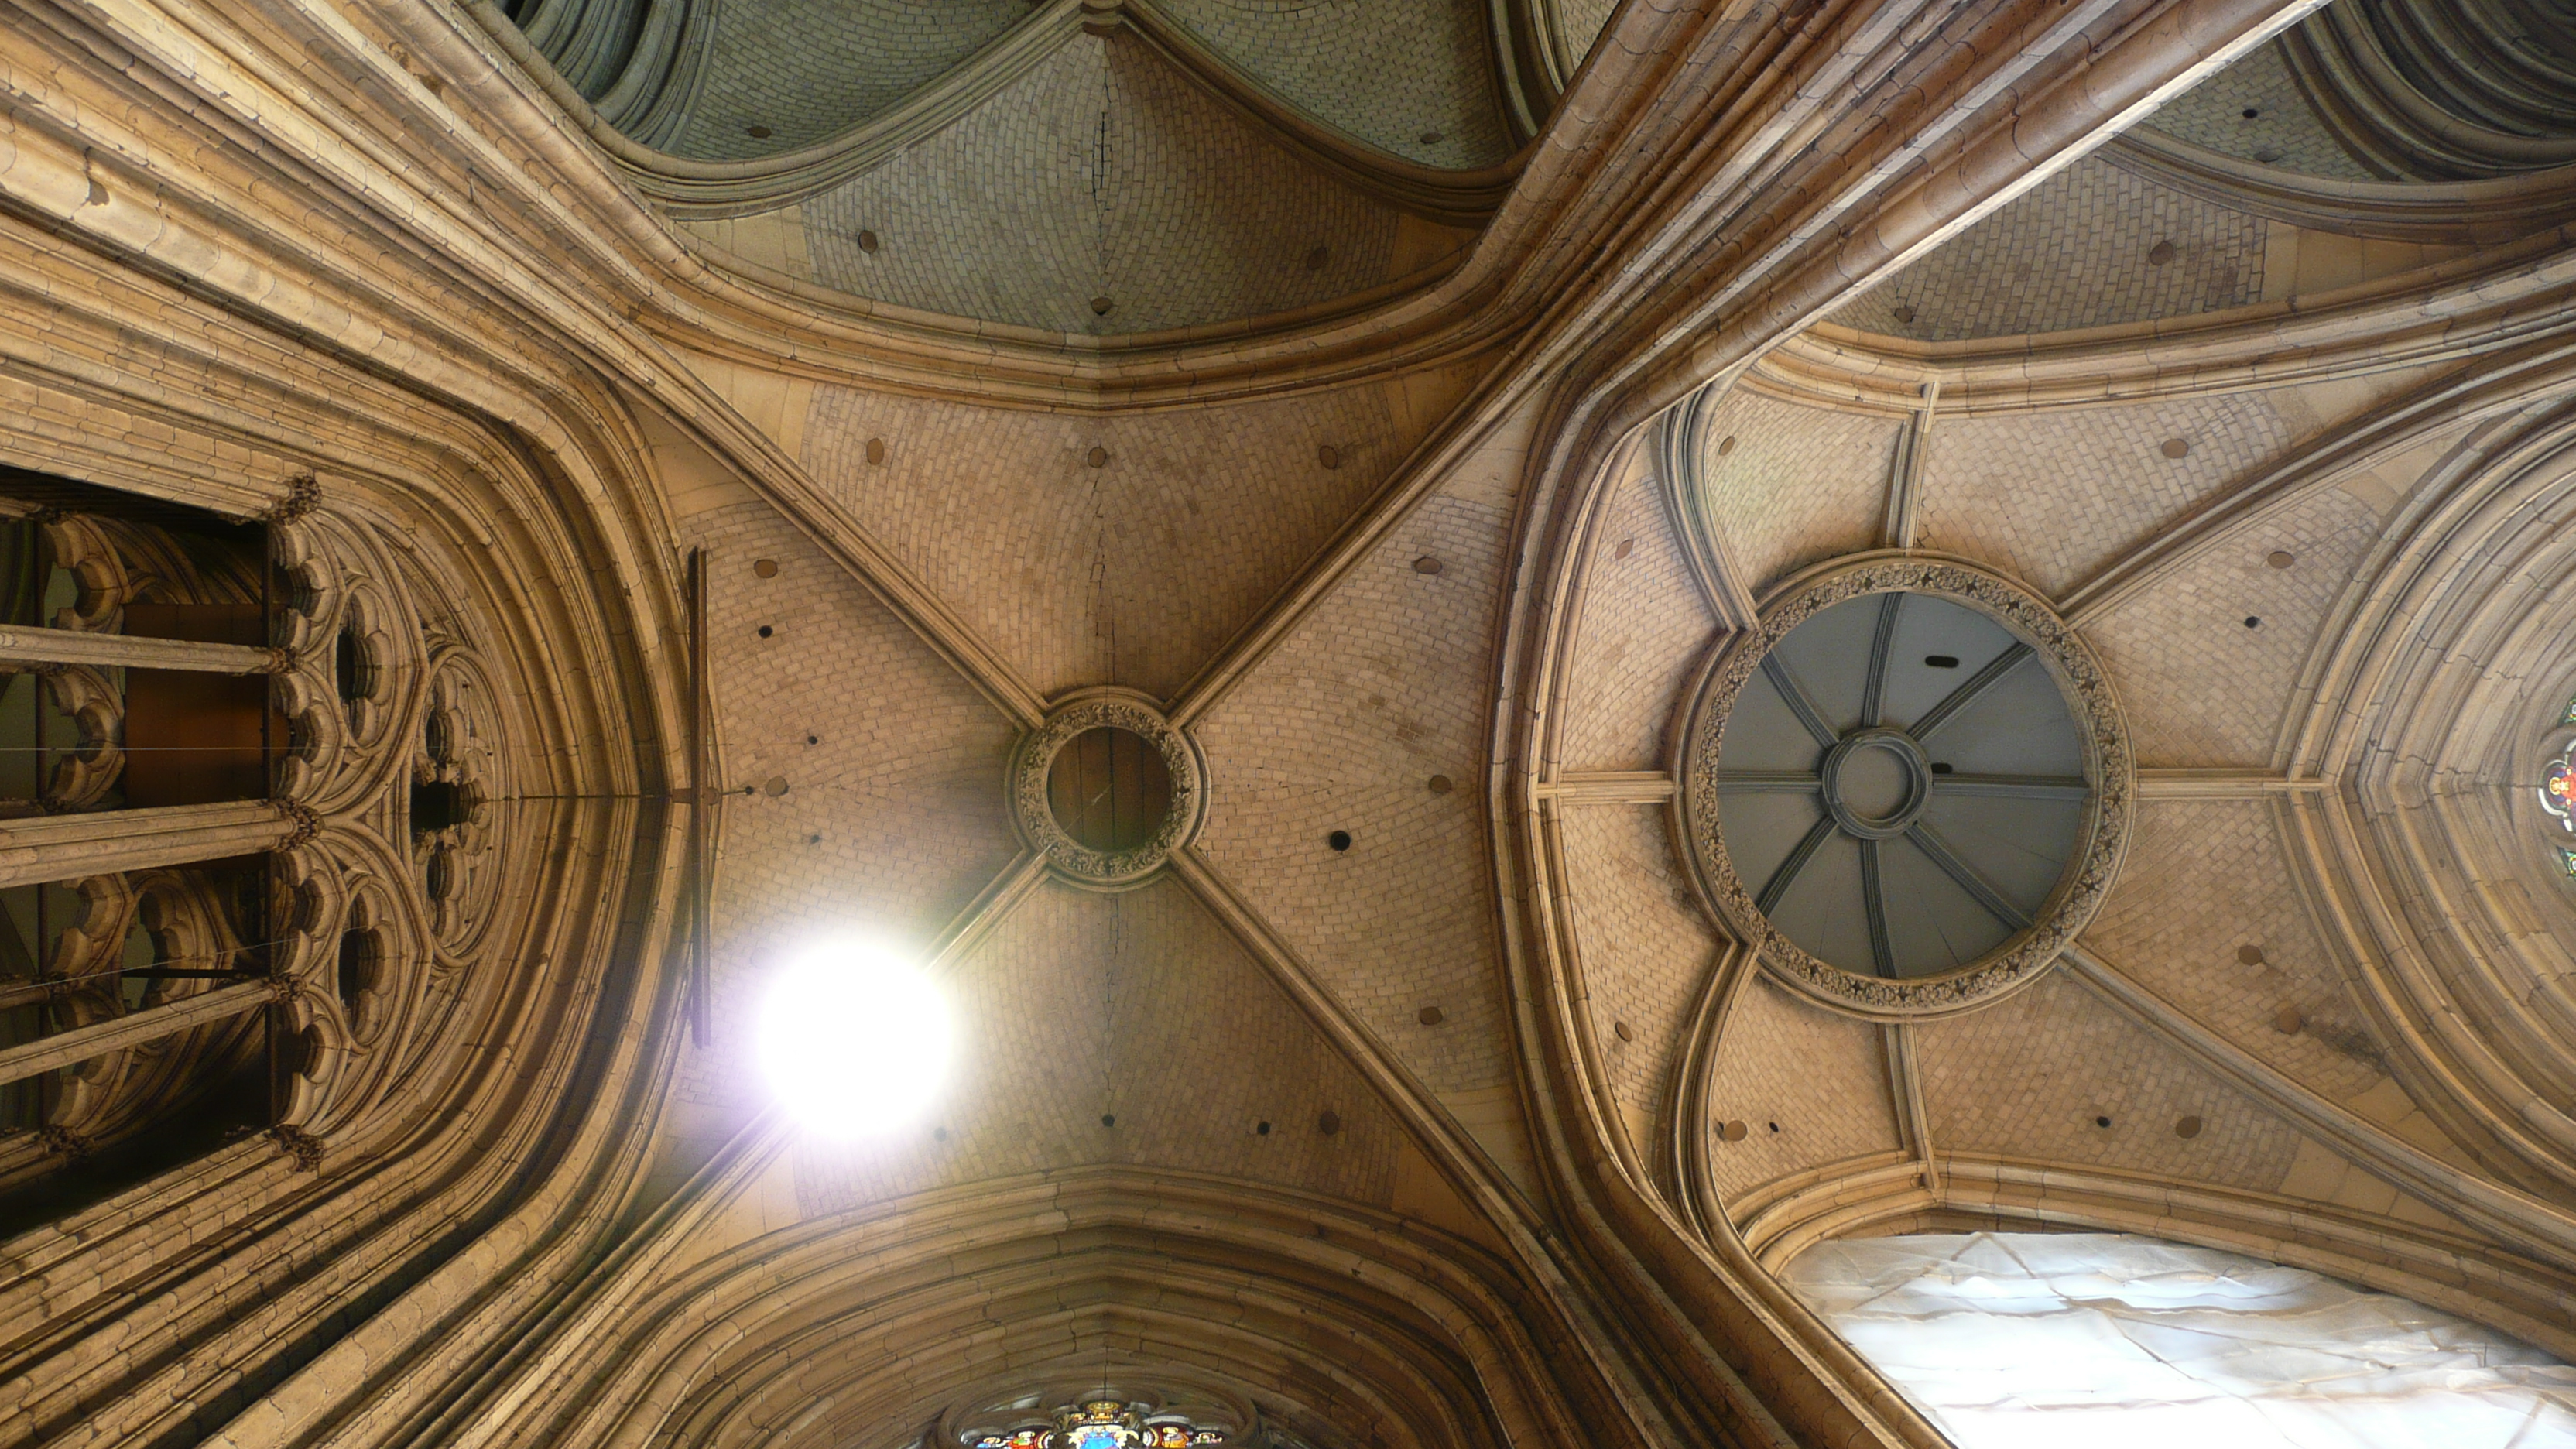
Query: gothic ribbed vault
x=680, y=470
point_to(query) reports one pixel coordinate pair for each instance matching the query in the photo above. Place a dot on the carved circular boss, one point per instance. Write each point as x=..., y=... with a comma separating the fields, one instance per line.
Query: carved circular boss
x=1910, y=787
x=1107, y=789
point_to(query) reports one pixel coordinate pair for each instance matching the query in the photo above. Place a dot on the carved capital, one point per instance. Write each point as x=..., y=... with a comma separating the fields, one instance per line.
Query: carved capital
x=302, y=1146
x=303, y=495
x=307, y=825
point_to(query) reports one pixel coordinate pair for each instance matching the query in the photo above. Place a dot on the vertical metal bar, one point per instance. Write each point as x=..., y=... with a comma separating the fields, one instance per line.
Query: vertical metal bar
x=268, y=1045
x=37, y=570
x=48, y=1015
x=703, y=798
x=266, y=945
x=262, y=937
x=267, y=639
x=42, y=786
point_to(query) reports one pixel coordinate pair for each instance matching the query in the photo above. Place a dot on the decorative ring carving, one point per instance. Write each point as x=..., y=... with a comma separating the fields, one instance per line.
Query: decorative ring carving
x=2109, y=769
x=1105, y=709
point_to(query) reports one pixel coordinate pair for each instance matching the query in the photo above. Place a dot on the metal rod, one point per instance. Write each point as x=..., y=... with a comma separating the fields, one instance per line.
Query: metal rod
x=46, y=1017
x=267, y=637
x=704, y=796
x=268, y=779
x=44, y=785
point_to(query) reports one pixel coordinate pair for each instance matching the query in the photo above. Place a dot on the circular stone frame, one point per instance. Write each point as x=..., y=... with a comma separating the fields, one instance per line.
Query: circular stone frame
x=1069, y=858
x=2108, y=767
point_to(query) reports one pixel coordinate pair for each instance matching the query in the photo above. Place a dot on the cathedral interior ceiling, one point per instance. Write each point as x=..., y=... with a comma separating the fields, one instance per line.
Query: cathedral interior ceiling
x=753, y=79
x=1413, y=451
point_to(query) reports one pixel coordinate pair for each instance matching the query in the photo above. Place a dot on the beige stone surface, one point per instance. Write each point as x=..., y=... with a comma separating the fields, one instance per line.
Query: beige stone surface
x=2053, y=497
x=1645, y=627
x=1579, y=24
x=2283, y=132
x=806, y=71
x=2072, y=252
x=903, y=749
x=1341, y=728
x=1135, y=1007
x=1103, y=172
x=1798, y=486
x=379, y=286
x=1135, y=572
x=1414, y=77
x=2032, y=1077
x=2201, y=686
x=1648, y=948
x=2298, y=261
x=1810, y=1087
x=2204, y=880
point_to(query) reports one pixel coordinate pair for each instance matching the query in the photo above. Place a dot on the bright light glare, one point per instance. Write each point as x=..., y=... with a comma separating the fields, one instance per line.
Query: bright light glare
x=855, y=1039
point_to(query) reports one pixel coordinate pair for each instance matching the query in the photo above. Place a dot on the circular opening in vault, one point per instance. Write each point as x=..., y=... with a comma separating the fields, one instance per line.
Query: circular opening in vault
x=1901, y=786
x=1109, y=789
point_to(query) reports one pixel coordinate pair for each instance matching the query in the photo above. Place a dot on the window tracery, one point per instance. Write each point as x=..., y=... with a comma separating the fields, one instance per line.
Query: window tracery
x=1104, y=1424
x=2558, y=793
x=202, y=723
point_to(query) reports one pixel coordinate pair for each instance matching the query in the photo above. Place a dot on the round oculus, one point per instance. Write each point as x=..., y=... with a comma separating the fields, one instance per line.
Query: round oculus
x=1898, y=786
x=1106, y=789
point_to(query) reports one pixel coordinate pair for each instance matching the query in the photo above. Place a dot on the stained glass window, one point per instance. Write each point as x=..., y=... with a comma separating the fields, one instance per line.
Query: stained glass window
x=2569, y=718
x=2558, y=788
x=1105, y=1424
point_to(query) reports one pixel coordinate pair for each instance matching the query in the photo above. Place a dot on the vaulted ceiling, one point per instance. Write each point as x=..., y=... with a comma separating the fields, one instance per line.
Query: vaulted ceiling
x=1415, y=407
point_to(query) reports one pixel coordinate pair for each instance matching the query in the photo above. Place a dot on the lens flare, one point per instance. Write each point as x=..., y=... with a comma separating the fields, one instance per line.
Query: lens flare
x=854, y=1039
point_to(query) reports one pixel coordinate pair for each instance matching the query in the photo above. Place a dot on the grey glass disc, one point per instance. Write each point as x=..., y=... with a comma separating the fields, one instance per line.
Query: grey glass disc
x=1900, y=785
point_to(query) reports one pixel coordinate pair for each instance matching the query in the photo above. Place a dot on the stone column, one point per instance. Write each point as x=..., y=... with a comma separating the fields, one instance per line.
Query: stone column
x=23, y=644
x=66, y=847
x=66, y=1048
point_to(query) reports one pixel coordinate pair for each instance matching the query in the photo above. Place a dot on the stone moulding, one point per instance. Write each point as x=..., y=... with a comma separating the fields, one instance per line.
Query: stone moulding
x=2481, y=213
x=691, y=187
x=1076, y=714
x=2107, y=765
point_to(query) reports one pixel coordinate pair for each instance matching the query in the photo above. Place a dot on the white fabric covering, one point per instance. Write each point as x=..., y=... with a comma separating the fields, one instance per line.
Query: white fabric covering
x=2106, y=1341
